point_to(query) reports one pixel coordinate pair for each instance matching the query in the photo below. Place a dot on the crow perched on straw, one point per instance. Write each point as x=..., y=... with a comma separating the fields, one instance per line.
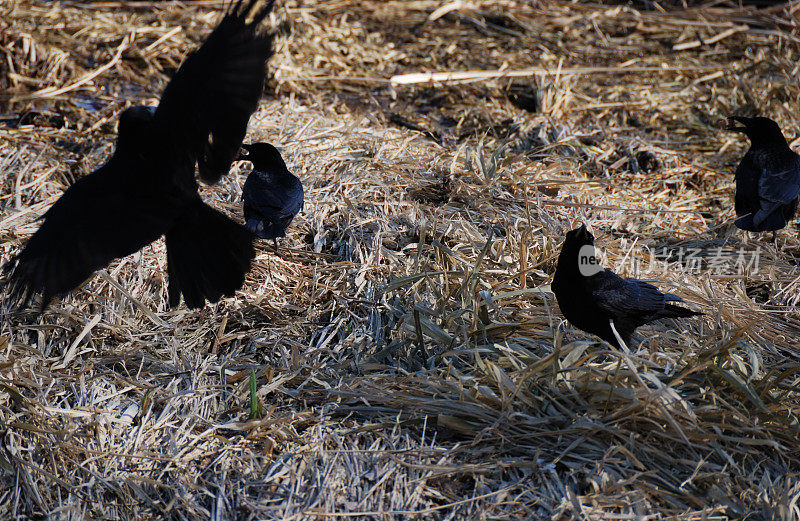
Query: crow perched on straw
x=148, y=187
x=272, y=196
x=589, y=296
x=767, y=178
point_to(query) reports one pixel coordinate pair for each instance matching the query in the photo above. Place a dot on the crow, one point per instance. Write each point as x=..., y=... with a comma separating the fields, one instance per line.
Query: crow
x=148, y=188
x=590, y=296
x=767, y=178
x=271, y=196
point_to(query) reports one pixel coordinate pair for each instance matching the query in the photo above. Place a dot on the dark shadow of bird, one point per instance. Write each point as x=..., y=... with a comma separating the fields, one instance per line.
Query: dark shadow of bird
x=767, y=178
x=590, y=296
x=148, y=188
x=271, y=196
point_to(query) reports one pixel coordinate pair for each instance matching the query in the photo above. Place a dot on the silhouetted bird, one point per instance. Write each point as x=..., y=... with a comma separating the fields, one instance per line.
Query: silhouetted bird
x=272, y=196
x=590, y=296
x=767, y=178
x=148, y=187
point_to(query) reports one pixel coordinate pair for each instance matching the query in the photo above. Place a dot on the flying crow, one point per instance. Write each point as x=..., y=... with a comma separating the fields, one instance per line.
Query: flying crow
x=148, y=188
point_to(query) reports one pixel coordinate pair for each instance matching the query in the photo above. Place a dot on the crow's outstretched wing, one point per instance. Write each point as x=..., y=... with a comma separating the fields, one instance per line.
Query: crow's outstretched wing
x=96, y=221
x=205, y=108
x=208, y=256
x=625, y=297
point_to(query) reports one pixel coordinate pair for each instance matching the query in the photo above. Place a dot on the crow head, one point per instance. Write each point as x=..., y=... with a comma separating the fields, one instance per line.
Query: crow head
x=135, y=125
x=579, y=237
x=761, y=131
x=578, y=253
x=264, y=157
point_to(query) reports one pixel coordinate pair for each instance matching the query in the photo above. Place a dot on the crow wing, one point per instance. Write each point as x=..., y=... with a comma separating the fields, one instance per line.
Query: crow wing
x=261, y=197
x=98, y=219
x=205, y=108
x=625, y=297
x=271, y=198
x=779, y=185
x=297, y=198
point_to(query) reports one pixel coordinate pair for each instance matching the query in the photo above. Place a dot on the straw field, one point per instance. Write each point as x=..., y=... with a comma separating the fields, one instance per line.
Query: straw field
x=402, y=356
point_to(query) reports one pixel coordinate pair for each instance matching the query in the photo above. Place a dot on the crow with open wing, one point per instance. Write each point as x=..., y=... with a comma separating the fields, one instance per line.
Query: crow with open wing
x=148, y=188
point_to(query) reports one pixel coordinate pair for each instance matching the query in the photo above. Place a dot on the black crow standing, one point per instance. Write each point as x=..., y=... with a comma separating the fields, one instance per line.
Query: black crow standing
x=272, y=196
x=148, y=187
x=767, y=178
x=589, y=296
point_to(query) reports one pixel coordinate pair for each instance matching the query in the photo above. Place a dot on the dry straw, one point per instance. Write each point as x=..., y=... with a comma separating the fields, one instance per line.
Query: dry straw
x=406, y=357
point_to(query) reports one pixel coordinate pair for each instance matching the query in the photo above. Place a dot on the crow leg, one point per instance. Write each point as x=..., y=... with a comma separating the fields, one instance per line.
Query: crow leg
x=622, y=343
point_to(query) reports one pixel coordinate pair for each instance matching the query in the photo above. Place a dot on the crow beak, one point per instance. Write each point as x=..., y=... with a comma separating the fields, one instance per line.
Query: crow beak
x=732, y=124
x=243, y=154
x=579, y=233
x=584, y=235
